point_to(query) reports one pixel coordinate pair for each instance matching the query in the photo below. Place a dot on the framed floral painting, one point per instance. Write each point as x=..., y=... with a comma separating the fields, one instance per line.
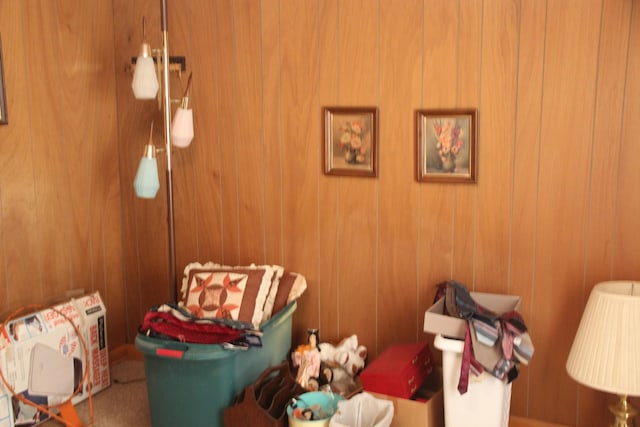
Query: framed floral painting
x=350, y=141
x=3, y=101
x=447, y=145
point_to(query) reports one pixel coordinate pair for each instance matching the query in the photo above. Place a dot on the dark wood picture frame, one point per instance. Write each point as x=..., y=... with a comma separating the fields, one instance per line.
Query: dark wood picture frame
x=350, y=137
x=446, y=145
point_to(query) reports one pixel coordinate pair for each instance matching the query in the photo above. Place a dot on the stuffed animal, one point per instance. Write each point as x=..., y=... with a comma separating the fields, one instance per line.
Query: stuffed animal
x=347, y=354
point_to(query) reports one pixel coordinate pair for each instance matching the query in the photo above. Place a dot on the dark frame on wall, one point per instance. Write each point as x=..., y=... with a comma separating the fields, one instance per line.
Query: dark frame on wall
x=446, y=145
x=350, y=141
x=3, y=99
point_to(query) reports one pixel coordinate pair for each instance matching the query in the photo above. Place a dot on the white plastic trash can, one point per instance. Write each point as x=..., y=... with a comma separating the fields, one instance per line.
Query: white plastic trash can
x=487, y=400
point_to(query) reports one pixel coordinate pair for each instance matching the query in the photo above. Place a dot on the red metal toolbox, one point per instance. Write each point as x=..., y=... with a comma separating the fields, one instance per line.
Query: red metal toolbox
x=399, y=370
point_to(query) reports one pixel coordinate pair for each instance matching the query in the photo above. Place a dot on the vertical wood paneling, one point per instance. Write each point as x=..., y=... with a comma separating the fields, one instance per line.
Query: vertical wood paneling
x=299, y=76
x=555, y=208
x=438, y=90
x=469, y=71
x=612, y=62
x=248, y=124
x=328, y=94
x=75, y=61
x=525, y=174
x=144, y=218
x=271, y=130
x=18, y=218
x=105, y=207
x=184, y=176
x=226, y=110
x=627, y=245
x=208, y=136
x=50, y=167
x=128, y=255
x=627, y=248
x=495, y=142
x=567, y=118
x=400, y=76
x=358, y=73
x=59, y=197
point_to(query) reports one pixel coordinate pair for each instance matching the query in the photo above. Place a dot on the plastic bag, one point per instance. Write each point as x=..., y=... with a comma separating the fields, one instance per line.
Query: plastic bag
x=363, y=410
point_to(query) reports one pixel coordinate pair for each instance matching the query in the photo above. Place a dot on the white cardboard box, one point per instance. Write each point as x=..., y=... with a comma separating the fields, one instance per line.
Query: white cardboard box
x=28, y=349
x=436, y=322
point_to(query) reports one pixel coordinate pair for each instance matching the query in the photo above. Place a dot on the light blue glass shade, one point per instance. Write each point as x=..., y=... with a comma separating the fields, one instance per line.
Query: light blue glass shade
x=146, y=182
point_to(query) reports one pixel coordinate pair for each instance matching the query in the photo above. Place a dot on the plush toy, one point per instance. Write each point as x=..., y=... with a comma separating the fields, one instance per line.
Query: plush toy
x=337, y=378
x=347, y=354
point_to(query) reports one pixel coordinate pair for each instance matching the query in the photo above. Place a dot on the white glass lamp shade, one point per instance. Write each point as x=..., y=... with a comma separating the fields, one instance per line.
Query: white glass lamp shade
x=146, y=183
x=182, y=127
x=605, y=354
x=145, y=81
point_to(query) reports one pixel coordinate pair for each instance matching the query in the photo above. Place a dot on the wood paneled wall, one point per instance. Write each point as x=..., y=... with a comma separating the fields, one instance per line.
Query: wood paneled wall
x=60, y=204
x=555, y=209
x=553, y=212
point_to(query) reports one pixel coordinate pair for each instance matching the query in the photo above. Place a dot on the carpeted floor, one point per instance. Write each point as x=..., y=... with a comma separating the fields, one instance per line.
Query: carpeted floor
x=123, y=404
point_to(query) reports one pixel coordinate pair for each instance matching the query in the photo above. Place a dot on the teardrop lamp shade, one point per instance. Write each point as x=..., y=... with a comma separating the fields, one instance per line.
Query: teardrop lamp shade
x=147, y=183
x=182, y=127
x=145, y=81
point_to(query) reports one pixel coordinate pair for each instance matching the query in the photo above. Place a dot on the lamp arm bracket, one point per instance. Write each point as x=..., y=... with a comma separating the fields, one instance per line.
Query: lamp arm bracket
x=176, y=63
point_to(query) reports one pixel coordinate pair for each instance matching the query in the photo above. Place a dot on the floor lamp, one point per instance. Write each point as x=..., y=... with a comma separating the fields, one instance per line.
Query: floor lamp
x=149, y=70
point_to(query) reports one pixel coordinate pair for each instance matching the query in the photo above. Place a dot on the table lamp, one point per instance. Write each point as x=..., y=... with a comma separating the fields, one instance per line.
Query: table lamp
x=605, y=354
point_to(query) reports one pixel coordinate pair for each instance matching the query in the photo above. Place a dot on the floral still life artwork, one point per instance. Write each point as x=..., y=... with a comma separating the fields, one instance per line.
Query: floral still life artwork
x=350, y=141
x=446, y=145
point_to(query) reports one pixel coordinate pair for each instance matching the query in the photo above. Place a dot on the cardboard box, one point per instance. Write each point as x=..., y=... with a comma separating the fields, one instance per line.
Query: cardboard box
x=436, y=322
x=42, y=358
x=426, y=411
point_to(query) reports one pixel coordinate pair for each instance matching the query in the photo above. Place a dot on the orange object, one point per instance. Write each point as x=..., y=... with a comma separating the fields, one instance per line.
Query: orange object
x=70, y=415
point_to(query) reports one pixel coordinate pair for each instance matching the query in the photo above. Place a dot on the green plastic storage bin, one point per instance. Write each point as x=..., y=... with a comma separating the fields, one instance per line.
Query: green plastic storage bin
x=191, y=384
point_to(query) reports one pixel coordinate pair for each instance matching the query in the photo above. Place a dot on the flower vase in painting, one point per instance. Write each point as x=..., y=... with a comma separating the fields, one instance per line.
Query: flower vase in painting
x=449, y=143
x=355, y=141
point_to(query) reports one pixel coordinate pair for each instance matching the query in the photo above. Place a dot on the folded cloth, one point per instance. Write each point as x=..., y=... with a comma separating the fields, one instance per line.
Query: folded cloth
x=523, y=348
x=514, y=322
x=487, y=355
x=495, y=344
x=458, y=302
x=185, y=315
x=165, y=325
x=485, y=333
x=465, y=304
x=450, y=303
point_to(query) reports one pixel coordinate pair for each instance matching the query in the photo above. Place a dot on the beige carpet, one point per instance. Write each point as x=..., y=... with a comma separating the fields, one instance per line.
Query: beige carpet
x=123, y=404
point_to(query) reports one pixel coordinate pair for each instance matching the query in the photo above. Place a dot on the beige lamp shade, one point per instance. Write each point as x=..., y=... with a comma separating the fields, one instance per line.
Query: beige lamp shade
x=145, y=82
x=605, y=354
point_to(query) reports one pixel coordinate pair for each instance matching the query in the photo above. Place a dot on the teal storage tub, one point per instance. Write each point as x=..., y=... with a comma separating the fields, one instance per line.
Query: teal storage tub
x=191, y=384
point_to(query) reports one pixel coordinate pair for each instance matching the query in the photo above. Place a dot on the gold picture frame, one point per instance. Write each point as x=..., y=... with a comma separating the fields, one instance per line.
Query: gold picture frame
x=446, y=145
x=350, y=141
